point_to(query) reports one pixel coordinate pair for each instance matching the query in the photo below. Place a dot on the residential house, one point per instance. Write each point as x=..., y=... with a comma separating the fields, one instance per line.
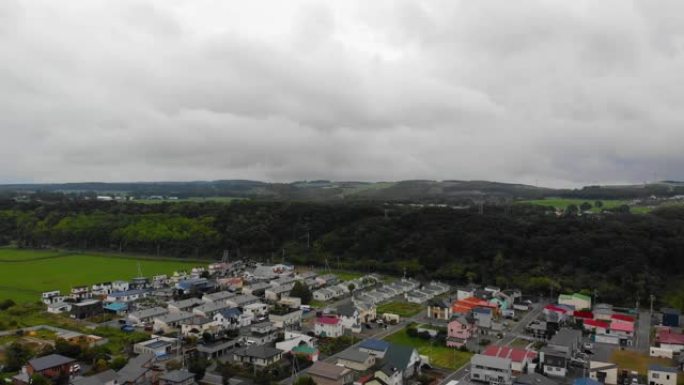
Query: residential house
x=439, y=309
x=555, y=357
x=216, y=349
x=324, y=373
x=58, y=307
x=159, y=346
x=292, y=339
x=670, y=317
x=667, y=339
x=595, y=326
x=538, y=329
x=160, y=281
x=355, y=359
x=101, y=289
x=367, y=311
x=286, y=280
x=146, y=315
x=555, y=313
x=603, y=311
x=291, y=302
x=577, y=300
x=54, y=296
x=323, y=295
x=231, y=319
x=603, y=372
x=120, y=285
x=459, y=330
x=197, y=326
x=217, y=297
x=387, y=374
x=405, y=358
x=349, y=316
x=256, y=310
x=306, y=275
x=662, y=375
x=520, y=358
x=376, y=347
x=52, y=366
x=209, y=309
x=256, y=289
x=465, y=292
x=284, y=316
x=483, y=317
x=491, y=370
x=274, y=293
x=309, y=353
x=259, y=356
x=127, y=296
x=177, y=377
x=138, y=370
x=328, y=326
x=171, y=322
x=194, y=286
x=86, y=309
x=327, y=280
x=185, y=305
x=108, y=377
x=338, y=292
x=259, y=334
x=242, y=300
x=417, y=296
x=139, y=283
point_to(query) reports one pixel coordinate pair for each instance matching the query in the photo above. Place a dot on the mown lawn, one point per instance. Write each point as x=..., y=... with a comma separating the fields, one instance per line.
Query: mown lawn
x=24, y=274
x=631, y=360
x=403, y=309
x=440, y=355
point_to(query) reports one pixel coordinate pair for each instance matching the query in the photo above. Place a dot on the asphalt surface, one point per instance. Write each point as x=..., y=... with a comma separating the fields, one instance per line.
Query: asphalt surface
x=461, y=374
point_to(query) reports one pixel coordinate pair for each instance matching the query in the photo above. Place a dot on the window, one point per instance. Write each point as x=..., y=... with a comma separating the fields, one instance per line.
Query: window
x=656, y=375
x=667, y=377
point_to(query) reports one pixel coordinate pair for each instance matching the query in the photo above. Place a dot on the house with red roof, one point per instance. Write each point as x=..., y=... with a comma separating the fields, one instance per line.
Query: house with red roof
x=328, y=326
x=617, y=317
x=622, y=329
x=667, y=339
x=466, y=305
x=583, y=314
x=520, y=358
x=596, y=326
x=556, y=313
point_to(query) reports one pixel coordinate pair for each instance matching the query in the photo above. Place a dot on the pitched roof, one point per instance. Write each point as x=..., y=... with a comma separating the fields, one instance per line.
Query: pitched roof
x=49, y=361
x=135, y=368
x=622, y=326
x=399, y=355
x=326, y=370
x=622, y=317
x=534, y=379
x=328, y=320
x=667, y=337
x=258, y=351
x=660, y=368
x=491, y=362
x=177, y=376
x=347, y=309
x=375, y=344
x=583, y=314
x=354, y=355
x=596, y=323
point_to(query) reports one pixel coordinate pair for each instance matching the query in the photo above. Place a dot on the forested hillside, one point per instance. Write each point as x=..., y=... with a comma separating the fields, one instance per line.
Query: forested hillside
x=619, y=255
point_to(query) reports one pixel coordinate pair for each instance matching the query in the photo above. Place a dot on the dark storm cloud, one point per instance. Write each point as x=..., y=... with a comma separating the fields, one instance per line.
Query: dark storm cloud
x=554, y=92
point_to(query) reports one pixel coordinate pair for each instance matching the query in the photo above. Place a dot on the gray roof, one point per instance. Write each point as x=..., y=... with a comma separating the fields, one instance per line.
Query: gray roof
x=175, y=317
x=98, y=379
x=566, y=337
x=282, y=288
x=242, y=299
x=326, y=370
x=354, y=355
x=346, y=309
x=49, y=361
x=177, y=376
x=186, y=303
x=218, y=296
x=491, y=362
x=258, y=351
x=147, y=313
x=660, y=368
x=135, y=368
x=399, y=355
x=211, y=307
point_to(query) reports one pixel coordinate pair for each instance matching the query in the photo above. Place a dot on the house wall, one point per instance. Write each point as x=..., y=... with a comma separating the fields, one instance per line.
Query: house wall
x=661, y=378
x=358, y=366
x=490, y=375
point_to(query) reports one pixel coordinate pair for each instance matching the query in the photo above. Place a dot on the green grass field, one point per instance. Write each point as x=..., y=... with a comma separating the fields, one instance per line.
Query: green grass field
x=561, y=203
x=403, y=309
x=631, y=360
x=192, y=199
x=24, y=274
x=441, y=356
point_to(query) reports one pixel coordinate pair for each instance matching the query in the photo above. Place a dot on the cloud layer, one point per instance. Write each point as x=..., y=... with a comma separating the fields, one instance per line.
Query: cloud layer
x=550, y=92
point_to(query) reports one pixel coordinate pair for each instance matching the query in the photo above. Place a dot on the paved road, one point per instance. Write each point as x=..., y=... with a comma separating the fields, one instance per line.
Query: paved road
x=643, y=332
x=461, y=374
x=379, y=333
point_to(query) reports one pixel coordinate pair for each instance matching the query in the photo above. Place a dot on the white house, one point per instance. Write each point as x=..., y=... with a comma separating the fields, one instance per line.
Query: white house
x=662, y=375
x=292, y=339
x=184, y=305
x=328, y=327
x=323, y=295
x=256, y=310
x=146, y=315
x=49, y=297
x=120, y=286
x=170, y=322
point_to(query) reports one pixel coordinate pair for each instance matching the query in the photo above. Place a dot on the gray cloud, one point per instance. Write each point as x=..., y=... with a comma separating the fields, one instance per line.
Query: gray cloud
x=554, y=92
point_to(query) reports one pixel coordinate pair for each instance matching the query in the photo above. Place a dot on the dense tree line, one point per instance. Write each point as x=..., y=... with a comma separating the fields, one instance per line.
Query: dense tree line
x=618, y=255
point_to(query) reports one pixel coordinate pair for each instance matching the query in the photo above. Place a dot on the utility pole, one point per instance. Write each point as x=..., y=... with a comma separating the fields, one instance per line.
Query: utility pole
x=652, y=298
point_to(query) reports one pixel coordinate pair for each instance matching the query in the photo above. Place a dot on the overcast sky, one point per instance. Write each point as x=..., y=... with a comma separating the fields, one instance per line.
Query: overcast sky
x=558, y=93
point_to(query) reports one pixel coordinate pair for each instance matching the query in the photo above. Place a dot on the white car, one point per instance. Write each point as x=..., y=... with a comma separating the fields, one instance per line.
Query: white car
x=452, y=382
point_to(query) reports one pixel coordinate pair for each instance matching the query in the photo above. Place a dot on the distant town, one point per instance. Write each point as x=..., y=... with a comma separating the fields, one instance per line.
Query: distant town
x=238, y=322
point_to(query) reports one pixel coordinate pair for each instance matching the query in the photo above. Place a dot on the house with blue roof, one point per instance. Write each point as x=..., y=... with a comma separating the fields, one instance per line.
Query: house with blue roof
x=378, y=348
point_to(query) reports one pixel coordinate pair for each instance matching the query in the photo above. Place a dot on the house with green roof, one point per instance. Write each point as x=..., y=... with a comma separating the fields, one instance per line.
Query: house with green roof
x=577, y=300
